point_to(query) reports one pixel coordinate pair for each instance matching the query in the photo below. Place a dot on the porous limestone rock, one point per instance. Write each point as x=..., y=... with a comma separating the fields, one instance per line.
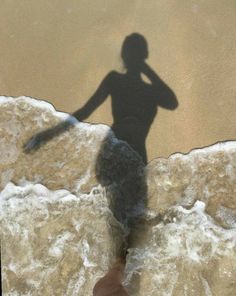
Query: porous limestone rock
x=59, y=208
x=186, y=253
x=72, y=160
x=53, y=242
x=207, y=174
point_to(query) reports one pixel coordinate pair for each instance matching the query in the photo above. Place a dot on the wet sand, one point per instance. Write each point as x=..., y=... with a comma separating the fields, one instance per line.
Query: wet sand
x=60, y=51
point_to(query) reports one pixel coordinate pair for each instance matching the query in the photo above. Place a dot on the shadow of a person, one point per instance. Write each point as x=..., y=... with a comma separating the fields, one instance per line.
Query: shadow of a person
x=134, y=102
x=134, y=107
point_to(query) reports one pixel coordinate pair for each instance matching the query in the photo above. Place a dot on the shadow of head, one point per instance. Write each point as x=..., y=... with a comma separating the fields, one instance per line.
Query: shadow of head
x=134, y=52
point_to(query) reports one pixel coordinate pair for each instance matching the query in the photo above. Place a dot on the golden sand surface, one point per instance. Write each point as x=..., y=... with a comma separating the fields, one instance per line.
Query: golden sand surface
x=60, y=51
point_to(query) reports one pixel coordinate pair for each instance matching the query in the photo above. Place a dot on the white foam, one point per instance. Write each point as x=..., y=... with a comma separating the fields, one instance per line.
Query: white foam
x=57, y=249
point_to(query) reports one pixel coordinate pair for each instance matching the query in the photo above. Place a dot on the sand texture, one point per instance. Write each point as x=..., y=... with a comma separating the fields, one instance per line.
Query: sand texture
x=60, y=51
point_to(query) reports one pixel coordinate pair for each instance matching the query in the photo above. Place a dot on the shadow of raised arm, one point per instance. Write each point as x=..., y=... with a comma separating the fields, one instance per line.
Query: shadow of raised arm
x=166, y=98
x=36, y=141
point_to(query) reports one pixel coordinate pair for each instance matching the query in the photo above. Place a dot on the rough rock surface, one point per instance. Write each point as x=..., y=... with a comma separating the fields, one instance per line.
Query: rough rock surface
x=208, y=175
x=69, y=161
x=55, y=243
x=58, y=237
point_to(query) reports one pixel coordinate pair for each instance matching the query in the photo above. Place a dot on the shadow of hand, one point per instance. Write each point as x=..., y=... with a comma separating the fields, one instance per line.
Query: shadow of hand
x=36, y=141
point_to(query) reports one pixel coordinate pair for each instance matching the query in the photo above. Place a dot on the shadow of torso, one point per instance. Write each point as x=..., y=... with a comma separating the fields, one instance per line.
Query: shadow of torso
x=134, y=107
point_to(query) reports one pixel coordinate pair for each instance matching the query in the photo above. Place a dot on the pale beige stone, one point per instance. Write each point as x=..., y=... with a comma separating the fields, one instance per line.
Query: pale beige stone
x=207, y=174
x=59, y=237
x=53, y=242
x=185, y=254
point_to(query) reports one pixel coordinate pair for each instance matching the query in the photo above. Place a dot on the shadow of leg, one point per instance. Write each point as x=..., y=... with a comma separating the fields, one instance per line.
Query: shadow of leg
x=121, y=171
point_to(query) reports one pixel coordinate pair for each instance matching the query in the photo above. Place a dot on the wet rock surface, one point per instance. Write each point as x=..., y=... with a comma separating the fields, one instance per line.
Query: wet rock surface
x=61, y=208
x=207, y=174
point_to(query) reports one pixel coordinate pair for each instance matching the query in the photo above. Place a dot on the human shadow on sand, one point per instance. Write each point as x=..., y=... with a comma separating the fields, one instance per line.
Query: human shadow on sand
x=134, y=106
